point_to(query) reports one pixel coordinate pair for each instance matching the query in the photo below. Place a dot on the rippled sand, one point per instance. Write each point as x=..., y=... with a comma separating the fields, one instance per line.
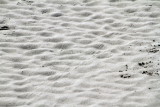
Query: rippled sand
x=79, y=53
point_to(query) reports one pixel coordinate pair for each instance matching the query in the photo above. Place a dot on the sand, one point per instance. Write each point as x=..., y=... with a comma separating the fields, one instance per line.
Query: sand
x=79, y=53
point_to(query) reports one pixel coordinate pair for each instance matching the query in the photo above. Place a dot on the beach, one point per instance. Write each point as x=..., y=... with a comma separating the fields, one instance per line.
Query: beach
x=79, y=53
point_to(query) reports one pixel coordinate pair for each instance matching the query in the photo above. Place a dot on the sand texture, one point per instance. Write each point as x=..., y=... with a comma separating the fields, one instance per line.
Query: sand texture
x=79, y=53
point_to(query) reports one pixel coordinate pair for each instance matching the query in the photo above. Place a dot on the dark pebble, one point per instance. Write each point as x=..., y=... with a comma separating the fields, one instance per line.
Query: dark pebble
x=4, y=28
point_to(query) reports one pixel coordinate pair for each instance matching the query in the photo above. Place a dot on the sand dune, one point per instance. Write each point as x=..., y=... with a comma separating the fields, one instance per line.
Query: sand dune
x=79, y=53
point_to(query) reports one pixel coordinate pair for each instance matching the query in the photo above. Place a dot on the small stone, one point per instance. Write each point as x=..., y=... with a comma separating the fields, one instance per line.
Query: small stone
x=4, y=28
x=139, y=64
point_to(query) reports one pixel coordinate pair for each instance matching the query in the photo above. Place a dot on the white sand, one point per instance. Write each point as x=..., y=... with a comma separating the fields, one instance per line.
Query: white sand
x=79, y=53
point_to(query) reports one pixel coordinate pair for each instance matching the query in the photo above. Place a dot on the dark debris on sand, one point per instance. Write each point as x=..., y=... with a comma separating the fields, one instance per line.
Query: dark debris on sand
x=4, y=28
x=153, y=50
x=150, y=73
x=125, y=76
x=145, y=64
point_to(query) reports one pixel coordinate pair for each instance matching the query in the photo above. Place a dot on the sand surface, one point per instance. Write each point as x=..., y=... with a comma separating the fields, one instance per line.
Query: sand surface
x=79, y=53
